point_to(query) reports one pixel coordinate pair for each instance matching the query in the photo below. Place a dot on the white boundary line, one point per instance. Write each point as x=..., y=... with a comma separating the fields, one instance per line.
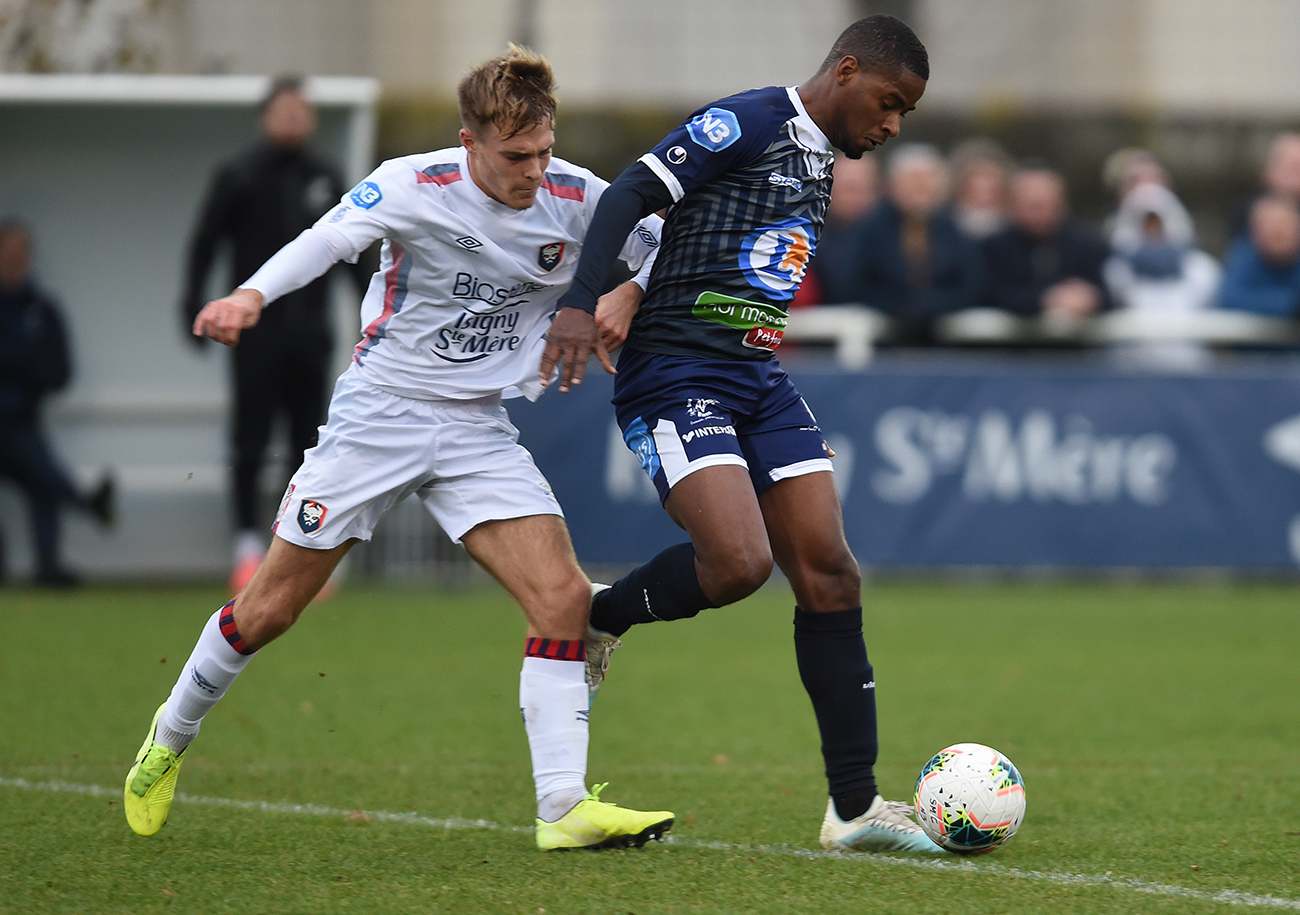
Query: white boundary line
x=1231, y=897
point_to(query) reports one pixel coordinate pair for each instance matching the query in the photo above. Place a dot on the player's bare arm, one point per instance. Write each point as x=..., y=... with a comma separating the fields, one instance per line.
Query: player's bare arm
x=614, y=313
x=224, y=319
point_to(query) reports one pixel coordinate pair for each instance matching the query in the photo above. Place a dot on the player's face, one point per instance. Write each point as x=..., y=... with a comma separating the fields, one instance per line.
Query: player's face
x=870, y=106
x=509, y=170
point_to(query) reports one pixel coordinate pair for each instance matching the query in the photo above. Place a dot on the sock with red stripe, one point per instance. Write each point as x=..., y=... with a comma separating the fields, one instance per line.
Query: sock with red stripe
x=554, y=701
x=218, y=658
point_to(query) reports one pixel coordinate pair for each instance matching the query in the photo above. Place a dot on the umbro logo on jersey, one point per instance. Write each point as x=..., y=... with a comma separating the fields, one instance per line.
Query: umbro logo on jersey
x=647, y=237
x=469, y=242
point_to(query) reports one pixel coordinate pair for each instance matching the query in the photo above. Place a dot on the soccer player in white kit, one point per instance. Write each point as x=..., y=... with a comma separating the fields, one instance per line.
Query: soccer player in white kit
x=480, y=241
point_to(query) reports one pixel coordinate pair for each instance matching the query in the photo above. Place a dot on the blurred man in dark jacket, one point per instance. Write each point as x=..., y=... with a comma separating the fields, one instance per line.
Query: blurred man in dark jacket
x=34, y=362
x=258, y=203
x=1045, y=262
x=911, y=260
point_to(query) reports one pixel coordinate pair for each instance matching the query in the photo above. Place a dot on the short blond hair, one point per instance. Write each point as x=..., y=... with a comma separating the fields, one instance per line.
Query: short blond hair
x=512, y=92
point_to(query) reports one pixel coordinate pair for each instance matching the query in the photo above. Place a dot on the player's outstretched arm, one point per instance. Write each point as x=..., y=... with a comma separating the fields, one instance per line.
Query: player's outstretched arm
x=224, y=319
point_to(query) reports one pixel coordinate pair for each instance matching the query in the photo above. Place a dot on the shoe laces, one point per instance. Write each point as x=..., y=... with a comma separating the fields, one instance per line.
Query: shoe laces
x=594, y=794
x=153, y=767
x=897, y=813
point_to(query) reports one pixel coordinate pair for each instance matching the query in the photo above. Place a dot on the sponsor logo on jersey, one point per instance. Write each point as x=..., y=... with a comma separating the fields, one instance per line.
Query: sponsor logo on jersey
x=676, y=155
x=472, y=337
x=469, y=286
x=763, y=324
x=339, y=212
x=469, y=242
x=715, y=129
x=647, y=237
x=311, y=515
x=706, y=431
x=700, y=408
x=366, y=194
x=775, y=258
x=785, y=181
x=549, y=256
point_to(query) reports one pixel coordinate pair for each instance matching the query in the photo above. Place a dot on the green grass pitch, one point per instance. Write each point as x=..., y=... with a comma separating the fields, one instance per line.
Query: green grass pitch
x=373, y=759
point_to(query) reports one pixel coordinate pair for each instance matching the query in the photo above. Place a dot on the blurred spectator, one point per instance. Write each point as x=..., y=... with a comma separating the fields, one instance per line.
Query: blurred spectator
x=1280, y=177
x=1156, y=268
x=1262, y=268
x=1045, y=262
x=830, y=277
x=981, y=172
x=34, y=361
x=259, y=202
x=910, y=260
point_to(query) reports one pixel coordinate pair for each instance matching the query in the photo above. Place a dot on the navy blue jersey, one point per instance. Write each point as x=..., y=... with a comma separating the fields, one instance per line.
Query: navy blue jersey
x=750, y=177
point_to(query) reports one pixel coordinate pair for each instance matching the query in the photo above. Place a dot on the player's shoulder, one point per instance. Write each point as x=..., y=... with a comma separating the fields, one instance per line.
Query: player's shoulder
x=439, y=167
x=771, y=104
x=566, y=181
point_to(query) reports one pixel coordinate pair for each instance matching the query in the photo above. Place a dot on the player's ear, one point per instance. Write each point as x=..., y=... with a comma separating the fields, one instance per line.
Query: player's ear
x=846, y=68
x=467, y=138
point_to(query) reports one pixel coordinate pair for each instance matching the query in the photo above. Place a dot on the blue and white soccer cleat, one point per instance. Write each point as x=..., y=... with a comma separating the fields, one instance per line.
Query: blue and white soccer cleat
x=886, y=826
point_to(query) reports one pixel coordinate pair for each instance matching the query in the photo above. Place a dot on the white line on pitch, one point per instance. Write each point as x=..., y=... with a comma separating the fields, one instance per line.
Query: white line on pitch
x=1233, y=897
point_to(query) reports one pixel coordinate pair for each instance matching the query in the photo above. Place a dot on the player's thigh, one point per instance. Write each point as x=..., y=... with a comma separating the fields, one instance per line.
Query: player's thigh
x=717, y=507
x=805, y=525
x=533, y=559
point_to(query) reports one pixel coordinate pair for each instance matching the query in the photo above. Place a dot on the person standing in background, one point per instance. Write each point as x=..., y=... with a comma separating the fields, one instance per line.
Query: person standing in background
x=257, y=203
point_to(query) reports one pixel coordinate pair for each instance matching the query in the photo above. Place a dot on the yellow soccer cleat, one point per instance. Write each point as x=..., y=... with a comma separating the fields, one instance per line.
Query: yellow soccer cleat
x=592, y=823
x=151, y=783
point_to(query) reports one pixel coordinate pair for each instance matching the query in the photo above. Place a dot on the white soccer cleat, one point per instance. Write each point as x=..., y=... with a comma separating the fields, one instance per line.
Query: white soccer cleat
x=600, y=645
x=886, y=826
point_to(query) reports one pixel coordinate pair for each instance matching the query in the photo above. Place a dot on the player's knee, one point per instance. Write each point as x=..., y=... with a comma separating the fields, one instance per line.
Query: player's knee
x=736, y=575
x=561, y=611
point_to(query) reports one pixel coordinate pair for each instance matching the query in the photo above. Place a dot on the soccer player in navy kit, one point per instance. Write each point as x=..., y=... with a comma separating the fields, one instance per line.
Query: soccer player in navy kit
x=734, y=451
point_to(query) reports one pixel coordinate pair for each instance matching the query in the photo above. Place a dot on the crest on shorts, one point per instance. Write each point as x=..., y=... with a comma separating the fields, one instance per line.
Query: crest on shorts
x=311, y=515
x=549, y=256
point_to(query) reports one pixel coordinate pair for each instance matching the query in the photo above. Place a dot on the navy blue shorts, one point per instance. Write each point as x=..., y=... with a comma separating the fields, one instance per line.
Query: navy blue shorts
x=681, y=413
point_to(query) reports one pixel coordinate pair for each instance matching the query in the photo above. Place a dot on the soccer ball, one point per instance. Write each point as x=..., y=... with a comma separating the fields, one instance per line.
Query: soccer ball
x=969, y=799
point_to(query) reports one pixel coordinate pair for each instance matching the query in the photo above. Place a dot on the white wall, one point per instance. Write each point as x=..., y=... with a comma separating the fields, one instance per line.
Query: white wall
x=111, y=188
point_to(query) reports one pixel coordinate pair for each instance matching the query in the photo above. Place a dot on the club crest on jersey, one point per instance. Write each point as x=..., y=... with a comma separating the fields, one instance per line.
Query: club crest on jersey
x=775, y=258
x=715, y=129
x=549, y=256
x=311, y=515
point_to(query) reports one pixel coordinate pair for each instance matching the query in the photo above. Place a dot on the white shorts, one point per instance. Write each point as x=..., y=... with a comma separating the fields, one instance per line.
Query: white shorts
x=461, y=458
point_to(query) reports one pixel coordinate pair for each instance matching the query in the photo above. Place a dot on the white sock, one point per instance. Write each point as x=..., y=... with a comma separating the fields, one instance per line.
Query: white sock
x=204, y=679
x=555, y=703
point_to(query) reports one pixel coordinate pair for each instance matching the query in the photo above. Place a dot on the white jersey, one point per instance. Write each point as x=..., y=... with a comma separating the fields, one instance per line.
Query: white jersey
x=467, y=286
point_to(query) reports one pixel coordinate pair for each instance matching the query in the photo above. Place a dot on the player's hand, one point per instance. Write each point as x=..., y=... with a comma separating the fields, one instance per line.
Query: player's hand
x=224, y=319
x=571, y=341
x=614, y=313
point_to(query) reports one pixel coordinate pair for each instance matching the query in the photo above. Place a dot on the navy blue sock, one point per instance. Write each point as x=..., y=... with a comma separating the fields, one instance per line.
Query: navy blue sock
x=841, y=684
x=665, y=588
